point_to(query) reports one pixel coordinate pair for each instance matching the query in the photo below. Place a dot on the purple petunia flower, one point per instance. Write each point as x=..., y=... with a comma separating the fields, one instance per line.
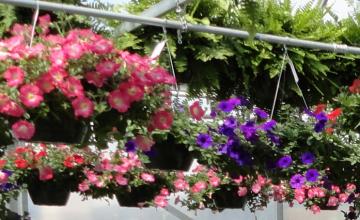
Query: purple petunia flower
x=225, y=106
x=261, y=113
x=307, y=158
x=213, y=114
x=274, y=138
x=204, y=140
x=284, y=162
x=243, y=101
x=230, y=122
x=234, y=102
x=321, y=117
x=227, y=131
x=130, y=146
x=249, y=131
x=269, y=125
x=312, y=175
x=321, y=122
x=297, y=181
x=309, y=112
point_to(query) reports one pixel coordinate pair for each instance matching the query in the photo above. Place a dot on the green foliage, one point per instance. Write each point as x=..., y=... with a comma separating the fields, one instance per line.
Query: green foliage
x=7, y=17
x=221, y=66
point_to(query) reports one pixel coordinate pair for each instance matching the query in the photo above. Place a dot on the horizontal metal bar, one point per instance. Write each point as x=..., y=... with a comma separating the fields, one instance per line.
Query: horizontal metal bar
x=177, y=25
x=154, y=11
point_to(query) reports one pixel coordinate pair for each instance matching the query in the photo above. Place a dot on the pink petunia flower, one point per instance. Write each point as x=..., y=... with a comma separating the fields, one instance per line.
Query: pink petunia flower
x=72, y=88
x=196, y=111
x=147, y=177
x=256, y=188
x=83, y=186
x=133, y=91
x=58, y=75
x=144, y=143
x=315, y=209
x=14, y=76
x=102, y=46
x=95, y=78
x=198, y=187
x=3, y=177
x=45, y=83
x=333, y=201
x=83, y=107
x=343, y=197
x=160, y=201
x=73, y=50
x=242, y=191
x=214, y=181
x=107, y=68
x=46, y=173
x=121, y=180
x=162, y=120
x=31, y=95
x=23, y=130
x=119, y=101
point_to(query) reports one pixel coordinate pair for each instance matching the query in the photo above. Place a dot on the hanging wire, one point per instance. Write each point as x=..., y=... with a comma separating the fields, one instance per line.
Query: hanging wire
x=180, y=12
x=35, y=19
x=176, y=100
x=296, y=79
x=278, y=82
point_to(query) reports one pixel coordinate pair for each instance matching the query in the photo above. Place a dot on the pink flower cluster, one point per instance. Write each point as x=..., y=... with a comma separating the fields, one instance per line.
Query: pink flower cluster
x=60, y=54
x=112, y=170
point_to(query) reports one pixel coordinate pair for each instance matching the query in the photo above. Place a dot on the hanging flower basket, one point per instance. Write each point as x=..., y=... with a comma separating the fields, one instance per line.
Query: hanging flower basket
x=227, y=198
x=137, y=197
x=169, y=155
x=53, y=90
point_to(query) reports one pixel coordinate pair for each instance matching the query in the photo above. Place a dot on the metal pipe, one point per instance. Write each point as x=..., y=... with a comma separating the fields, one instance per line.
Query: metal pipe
x=177, y=25
x=156, y=10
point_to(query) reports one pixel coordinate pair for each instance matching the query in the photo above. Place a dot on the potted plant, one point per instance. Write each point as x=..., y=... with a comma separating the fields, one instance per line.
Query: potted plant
x=122, y=174
x=63, y=87
x=48, y=172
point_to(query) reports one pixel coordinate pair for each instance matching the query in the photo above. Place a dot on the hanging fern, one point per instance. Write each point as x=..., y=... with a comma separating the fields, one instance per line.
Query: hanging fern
x=7, y=18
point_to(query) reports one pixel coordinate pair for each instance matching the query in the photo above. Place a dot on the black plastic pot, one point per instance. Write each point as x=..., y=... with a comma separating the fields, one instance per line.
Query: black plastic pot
x=328, y=208
x=228, y=199
x=48, y=193
x=60, y=130
x=137, y=197
x=169, y=155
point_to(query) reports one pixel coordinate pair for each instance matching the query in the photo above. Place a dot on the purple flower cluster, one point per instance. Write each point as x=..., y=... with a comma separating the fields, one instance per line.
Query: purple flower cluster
x=249, y=131
x=261, y=113
x=321, y=122
x=269, y=127
x=235, y=151
x=229, y=105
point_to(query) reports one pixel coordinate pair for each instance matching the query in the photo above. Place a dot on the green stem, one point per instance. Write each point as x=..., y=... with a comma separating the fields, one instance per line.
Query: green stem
x=195, y=8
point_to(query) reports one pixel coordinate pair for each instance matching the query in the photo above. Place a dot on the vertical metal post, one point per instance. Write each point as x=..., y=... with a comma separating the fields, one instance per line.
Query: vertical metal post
x=280, y=211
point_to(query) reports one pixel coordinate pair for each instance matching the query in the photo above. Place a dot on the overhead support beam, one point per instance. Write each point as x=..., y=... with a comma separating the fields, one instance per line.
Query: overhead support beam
x=336, y=48
x=155, y=11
